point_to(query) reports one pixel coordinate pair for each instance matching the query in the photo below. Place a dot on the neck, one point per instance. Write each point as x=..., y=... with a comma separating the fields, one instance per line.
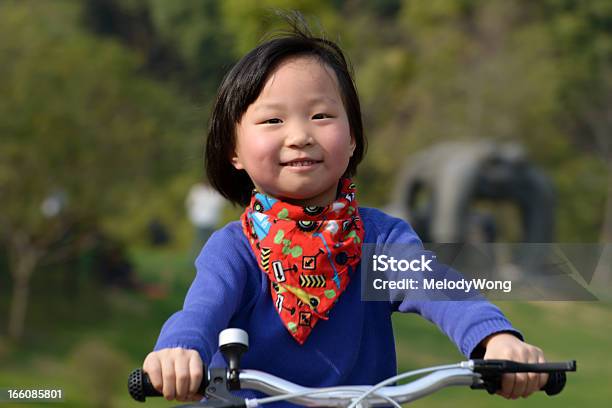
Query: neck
x=322, y=200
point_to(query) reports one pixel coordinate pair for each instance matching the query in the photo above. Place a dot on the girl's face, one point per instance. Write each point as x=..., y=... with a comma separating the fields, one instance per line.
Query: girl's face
x=294, y=141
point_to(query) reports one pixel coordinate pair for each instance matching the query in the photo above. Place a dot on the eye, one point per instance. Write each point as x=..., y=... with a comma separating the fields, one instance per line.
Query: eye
x=322, y=116
x=273, y=121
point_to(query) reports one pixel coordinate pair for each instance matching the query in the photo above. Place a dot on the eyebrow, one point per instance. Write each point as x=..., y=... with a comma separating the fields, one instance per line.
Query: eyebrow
x=312, y=101
x=322, y=100
x=268, y=106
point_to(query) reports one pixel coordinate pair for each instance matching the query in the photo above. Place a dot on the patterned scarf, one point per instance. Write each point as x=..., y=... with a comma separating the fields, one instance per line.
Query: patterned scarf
x=308, y=254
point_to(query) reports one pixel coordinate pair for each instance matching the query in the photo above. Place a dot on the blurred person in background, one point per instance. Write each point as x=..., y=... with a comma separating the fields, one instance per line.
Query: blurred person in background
x=204, y=209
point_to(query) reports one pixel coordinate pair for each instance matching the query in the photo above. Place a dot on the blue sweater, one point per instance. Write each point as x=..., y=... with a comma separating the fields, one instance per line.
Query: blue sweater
x=354, y=346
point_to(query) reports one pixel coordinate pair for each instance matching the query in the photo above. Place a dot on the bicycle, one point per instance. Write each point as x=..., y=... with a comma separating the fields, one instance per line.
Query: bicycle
x=216, y=386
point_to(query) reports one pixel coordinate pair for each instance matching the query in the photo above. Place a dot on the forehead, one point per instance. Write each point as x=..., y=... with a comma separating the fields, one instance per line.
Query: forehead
x=306, y=75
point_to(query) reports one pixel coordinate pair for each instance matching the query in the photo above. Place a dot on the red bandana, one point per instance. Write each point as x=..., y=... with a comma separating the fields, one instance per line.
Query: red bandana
x=308, y=254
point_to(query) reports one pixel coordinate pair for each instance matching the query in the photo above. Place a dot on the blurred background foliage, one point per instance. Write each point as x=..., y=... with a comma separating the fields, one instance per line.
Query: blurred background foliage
x=104, y=103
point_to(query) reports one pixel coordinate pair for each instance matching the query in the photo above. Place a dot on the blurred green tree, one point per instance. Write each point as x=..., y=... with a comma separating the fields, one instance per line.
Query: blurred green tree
x=182, y=42
x=79, y=121
x=448, y=70
x=582, y=31
x=194, y=42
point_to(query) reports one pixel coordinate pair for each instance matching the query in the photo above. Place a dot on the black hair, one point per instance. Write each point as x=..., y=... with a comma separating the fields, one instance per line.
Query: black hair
x=242, y=85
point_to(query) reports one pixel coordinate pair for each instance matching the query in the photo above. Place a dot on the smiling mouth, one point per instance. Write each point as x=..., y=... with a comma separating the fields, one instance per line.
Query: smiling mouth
x=301, y=163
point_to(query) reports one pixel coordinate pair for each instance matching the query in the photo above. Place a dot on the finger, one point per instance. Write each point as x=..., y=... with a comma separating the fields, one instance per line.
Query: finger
x=169, y=378
x=522, y=379
x=507, y=385
x=520, y=384
x=152, y=367
x=533, y=379
x=196, y=373
x=542, y=378
x=181, y=372
x=532, y=384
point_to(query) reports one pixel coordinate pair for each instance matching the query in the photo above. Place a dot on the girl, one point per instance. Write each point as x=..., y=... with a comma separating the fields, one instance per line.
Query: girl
x=285, y=137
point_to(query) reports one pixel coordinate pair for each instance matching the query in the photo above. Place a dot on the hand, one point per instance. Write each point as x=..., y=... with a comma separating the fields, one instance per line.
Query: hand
x=175, y=372
x=504, y=346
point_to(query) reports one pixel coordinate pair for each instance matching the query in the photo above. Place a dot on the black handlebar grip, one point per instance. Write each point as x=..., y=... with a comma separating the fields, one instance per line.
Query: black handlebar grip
x=140, y=387
x=492, y=371
x=555, y=383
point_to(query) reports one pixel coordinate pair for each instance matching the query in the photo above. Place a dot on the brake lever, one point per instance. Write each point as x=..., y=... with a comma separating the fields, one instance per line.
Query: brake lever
x=217, y=392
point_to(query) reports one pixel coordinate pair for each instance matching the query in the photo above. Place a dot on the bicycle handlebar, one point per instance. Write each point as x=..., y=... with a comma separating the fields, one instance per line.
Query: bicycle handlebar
x=478, y=374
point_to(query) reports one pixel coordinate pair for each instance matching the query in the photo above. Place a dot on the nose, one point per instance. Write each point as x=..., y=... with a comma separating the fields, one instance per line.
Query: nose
x=298, y=135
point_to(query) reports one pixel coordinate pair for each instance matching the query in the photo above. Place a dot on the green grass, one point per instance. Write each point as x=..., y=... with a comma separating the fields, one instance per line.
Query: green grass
x=87, y=345
x=564, y=330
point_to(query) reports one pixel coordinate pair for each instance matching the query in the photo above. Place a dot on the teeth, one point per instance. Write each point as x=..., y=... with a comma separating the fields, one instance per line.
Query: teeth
x=301, y=163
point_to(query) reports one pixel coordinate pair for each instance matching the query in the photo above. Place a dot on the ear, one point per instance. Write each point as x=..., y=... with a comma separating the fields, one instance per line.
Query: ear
x=352, y=144
x=236, y=162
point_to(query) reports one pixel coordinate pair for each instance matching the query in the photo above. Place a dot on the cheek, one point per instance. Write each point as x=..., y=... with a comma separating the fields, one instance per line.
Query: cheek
x=256, y=148
x=340, y=141
x=262, y=151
